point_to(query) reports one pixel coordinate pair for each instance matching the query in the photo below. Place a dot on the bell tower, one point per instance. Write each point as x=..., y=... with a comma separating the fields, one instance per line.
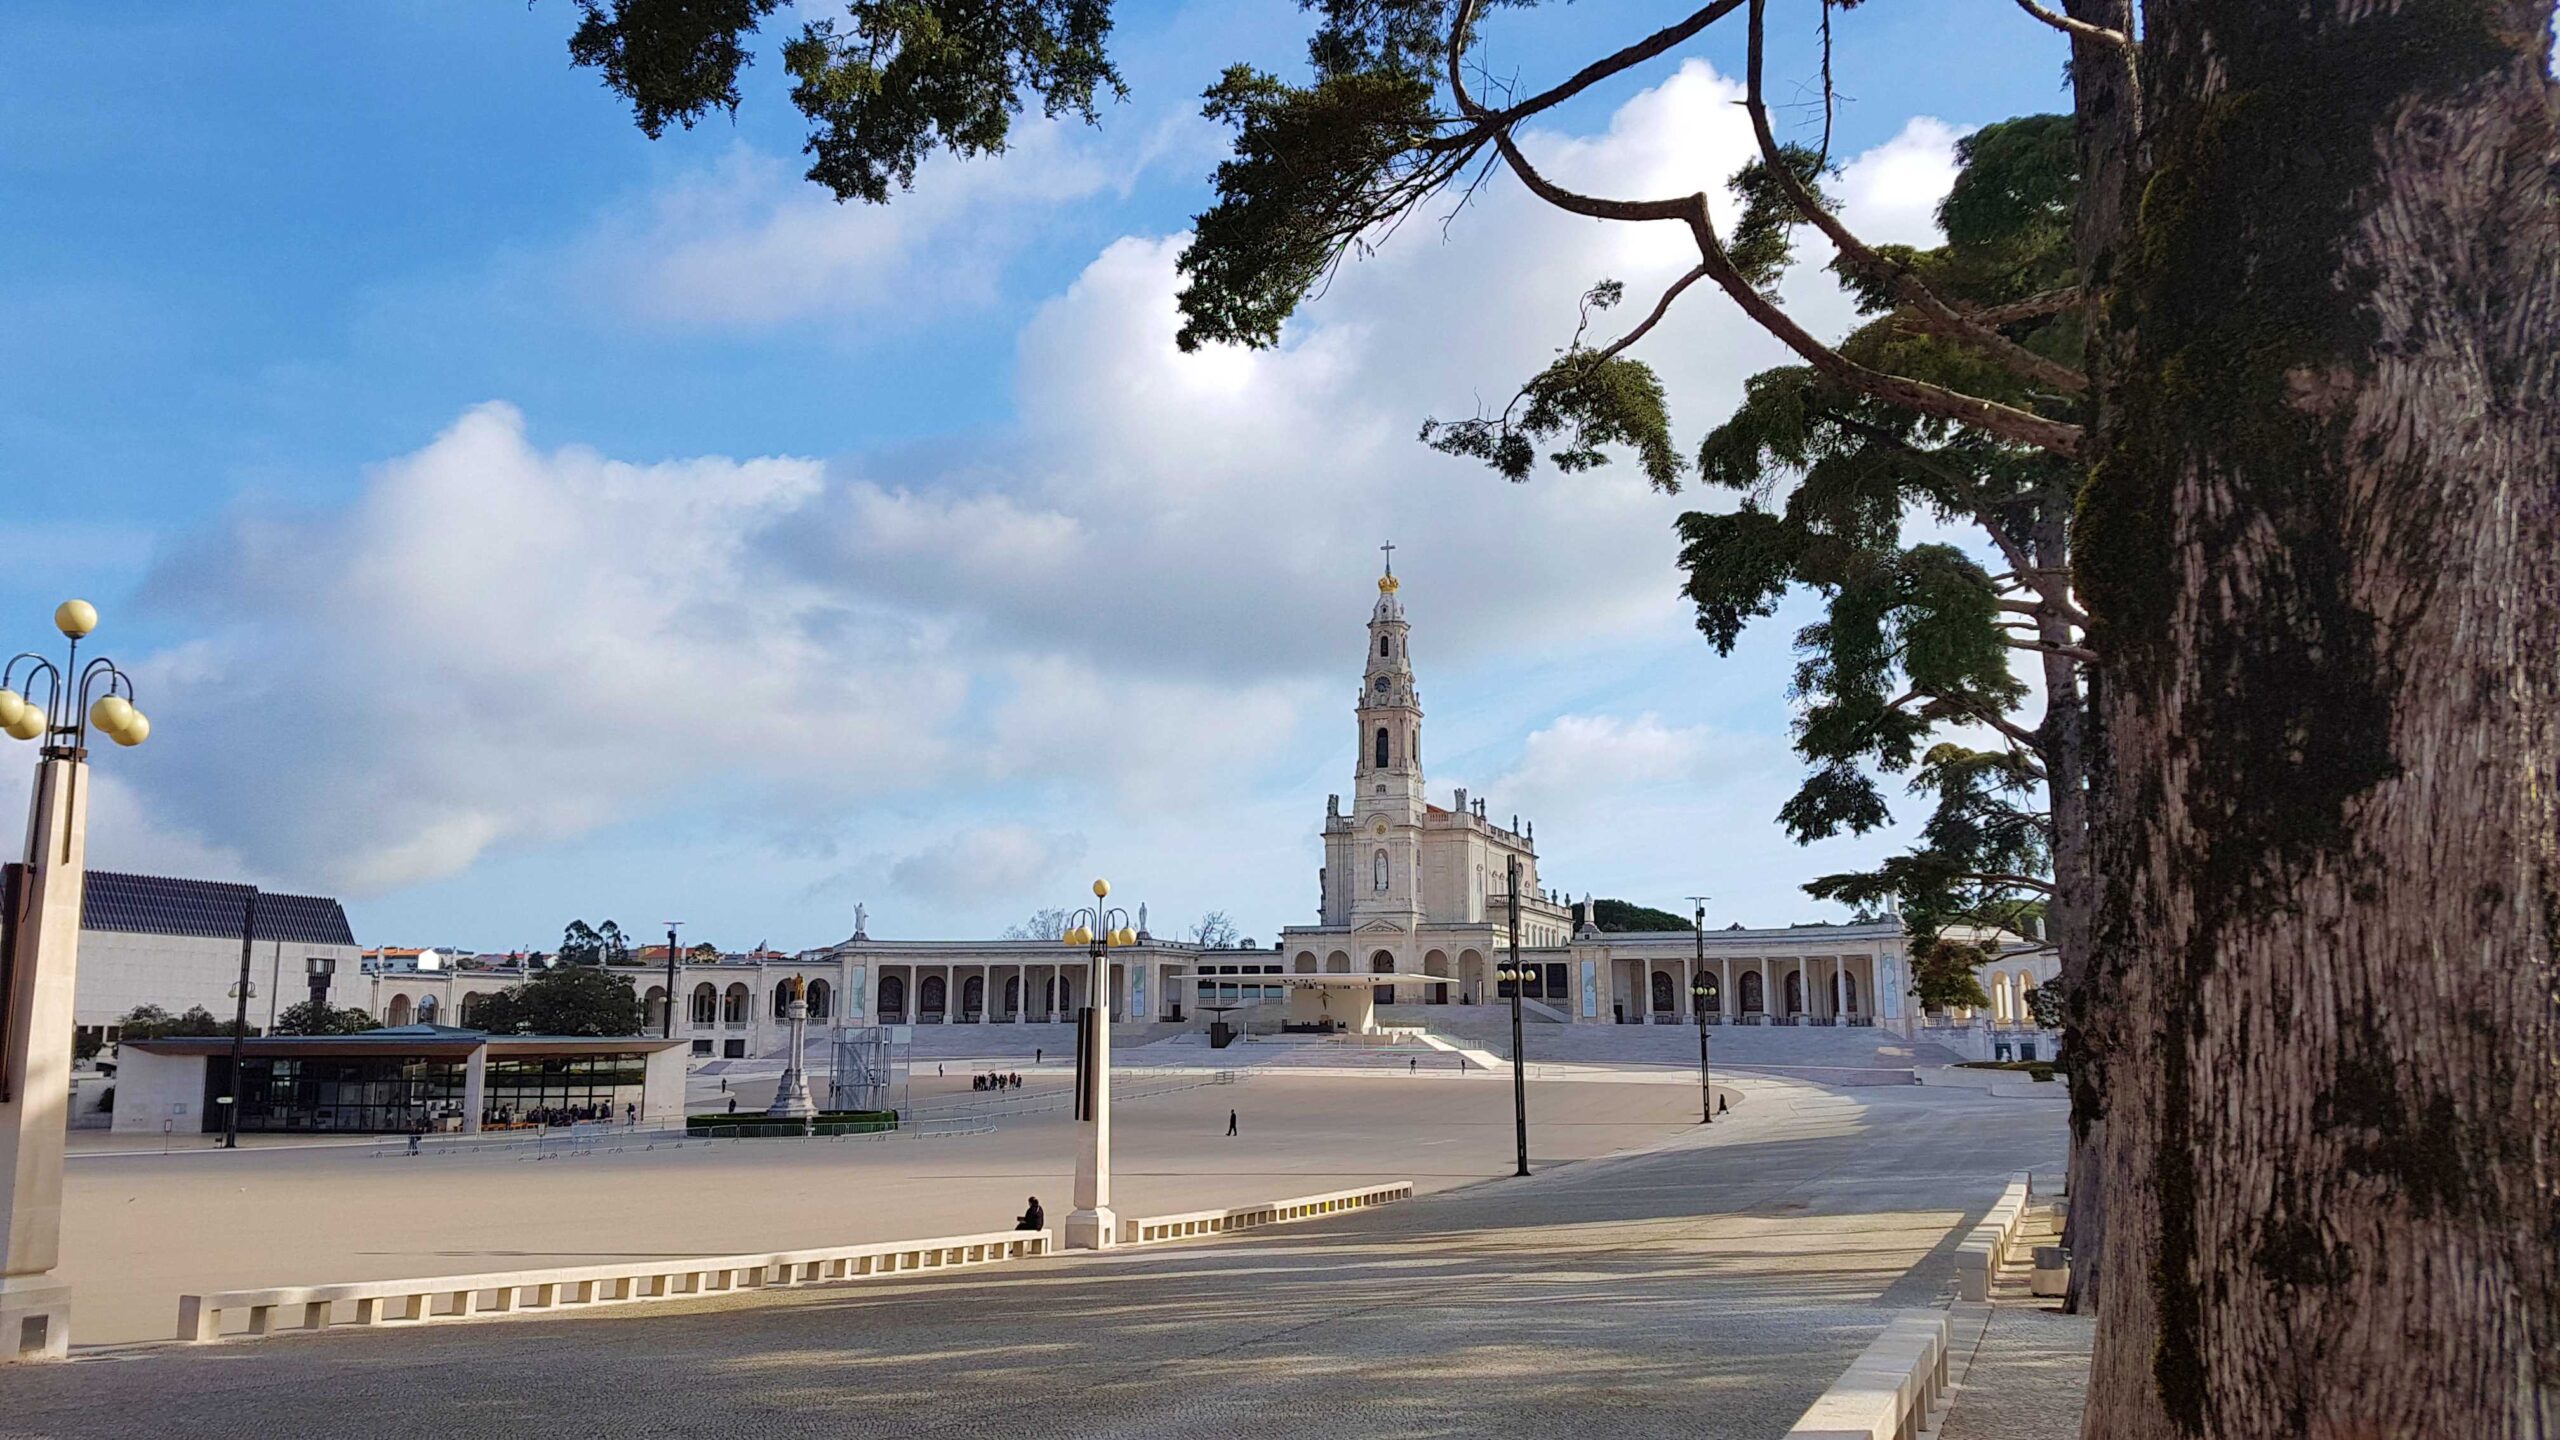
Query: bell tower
x=1387, y=806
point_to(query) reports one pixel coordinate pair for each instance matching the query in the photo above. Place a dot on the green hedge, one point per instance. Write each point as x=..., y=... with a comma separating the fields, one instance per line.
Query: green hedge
x=745, y=1126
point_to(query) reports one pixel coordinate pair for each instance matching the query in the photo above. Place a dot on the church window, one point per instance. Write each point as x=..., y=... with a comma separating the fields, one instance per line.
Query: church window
x=1382, y=747
x=1378, y=871
x=1382, y=645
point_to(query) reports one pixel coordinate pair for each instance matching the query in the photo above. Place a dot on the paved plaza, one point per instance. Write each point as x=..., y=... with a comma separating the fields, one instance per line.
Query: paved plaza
x=1710, y=1282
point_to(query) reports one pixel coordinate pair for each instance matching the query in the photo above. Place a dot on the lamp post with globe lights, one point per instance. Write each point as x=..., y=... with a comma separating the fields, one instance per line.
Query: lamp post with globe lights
x=59, y=706
x=1092, y=1225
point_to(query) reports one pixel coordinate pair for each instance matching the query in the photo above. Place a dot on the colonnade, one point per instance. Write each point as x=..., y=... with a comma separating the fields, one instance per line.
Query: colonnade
x=1759, y=990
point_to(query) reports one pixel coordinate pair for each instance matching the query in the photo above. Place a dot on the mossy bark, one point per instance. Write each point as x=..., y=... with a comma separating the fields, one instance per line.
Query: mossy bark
x=2321, y=544
x=2106, y=124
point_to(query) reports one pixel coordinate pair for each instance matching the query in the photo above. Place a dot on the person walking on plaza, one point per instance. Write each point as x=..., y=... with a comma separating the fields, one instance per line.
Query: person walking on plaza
x=1412, y=1063
x=1231, y=1122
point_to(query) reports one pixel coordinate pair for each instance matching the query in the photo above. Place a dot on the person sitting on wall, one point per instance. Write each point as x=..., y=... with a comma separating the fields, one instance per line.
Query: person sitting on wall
x=1034, y=1218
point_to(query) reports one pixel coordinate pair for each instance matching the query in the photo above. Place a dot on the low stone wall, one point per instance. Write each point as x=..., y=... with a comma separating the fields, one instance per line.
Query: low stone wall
x=1156, y=1228
x=583, y=1287
x=1986, y=1247
x=1891, y=1391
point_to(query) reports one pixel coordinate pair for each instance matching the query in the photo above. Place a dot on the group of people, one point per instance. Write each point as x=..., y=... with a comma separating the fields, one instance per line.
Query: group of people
x=507, y=1117
x=1008, y=1081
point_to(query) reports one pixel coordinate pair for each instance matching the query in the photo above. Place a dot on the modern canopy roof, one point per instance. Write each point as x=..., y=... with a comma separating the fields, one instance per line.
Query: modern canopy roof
x=159, y=905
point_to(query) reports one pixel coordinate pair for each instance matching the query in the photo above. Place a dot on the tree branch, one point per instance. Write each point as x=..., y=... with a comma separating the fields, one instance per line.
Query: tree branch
x=1661, y=307
x=2033, y=307
x=1924, y=302
x=2080, y=28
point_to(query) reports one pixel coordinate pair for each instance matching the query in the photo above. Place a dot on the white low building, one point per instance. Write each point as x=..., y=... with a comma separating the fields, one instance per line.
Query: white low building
x=413, y=1078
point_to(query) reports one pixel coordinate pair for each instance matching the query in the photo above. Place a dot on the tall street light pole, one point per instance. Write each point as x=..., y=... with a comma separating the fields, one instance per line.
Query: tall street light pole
x=1698, y=1004
x=241, y=992
x=58, y=705
x=1092, y=1225
x=1519, y=978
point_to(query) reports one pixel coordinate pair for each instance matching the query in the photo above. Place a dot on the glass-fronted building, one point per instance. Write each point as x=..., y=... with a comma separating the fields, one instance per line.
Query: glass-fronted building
x=399, y=1080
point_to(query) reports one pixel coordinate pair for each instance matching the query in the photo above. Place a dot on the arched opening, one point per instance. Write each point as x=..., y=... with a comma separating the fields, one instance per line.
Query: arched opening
x=1382, y=645
x=821, y=999
x=1436, y=963
x=930, y=1000
x=428, y=1009
x=1306, y=962
x=1471, y=977
x=653, y=1009
x=472, y=1005
x=400, y=1013
x=1795, y=993
x=973, y=998
x=893, y=999
x=1382, y=963
x=735, y=1004
x=1013, y=995
x=1382, y=747
x=1662, y=993
x=1337, y=963
x=1755, y=1000
x=1848, y=994
x=782, y=1000
x=706, y=1004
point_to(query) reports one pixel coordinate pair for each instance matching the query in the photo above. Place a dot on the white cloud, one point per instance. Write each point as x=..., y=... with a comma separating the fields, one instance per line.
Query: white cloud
x=749, y=243
x=1578, y=757
x=1001, y=862
x=1890, y=195
x=1137, y=599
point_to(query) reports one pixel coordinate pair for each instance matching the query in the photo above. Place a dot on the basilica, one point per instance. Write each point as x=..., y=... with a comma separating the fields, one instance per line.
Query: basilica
x=1414, y=891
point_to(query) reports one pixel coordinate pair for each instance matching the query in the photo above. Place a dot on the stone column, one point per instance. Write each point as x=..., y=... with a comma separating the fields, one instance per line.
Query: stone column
x=1768, y=992
x=475, y=1087
x=35, y=1305
x=1093, y=1225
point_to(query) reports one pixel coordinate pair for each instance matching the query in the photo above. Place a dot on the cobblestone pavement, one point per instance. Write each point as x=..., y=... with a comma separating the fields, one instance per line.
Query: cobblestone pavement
x=1709, y=1288
x=2030, y=1375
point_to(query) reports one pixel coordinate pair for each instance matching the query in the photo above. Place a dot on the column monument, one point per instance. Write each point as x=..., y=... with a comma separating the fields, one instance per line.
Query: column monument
x=791, y=1095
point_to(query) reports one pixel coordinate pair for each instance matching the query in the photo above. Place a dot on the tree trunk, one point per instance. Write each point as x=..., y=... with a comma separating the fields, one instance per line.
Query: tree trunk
x=2106, y=118
x=2321, y=543
x=2061, y=746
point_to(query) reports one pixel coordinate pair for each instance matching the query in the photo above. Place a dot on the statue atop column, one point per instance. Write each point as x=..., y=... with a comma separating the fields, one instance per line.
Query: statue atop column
x=861, y=921
x=791, y=1094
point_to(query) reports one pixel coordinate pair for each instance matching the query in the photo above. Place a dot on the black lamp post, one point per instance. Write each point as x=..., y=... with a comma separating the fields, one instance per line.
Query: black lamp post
x=1706, y=1088
x=1698, y=1005
x=240, y=994
x=667, y=1019
x=1516, y=975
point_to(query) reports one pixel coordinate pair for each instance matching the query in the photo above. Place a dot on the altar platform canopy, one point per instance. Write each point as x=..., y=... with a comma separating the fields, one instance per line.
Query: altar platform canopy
x=1349, y=1001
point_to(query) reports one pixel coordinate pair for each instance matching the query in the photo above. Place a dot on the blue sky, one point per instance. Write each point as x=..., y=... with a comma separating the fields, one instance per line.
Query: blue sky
x=513, y=519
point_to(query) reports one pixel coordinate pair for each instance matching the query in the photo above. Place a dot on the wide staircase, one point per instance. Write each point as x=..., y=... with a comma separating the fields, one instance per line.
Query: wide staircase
x=1776, y=1047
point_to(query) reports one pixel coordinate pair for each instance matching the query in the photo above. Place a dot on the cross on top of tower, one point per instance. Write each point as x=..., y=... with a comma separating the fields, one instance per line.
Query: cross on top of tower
x=1388, y=580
